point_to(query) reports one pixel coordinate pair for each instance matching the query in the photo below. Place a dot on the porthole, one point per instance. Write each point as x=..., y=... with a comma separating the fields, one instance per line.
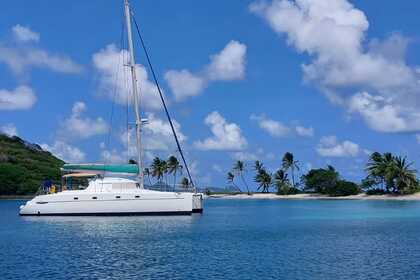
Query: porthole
x=137, y=196
x=75, y=198
x=94, y=197
x=118, y=196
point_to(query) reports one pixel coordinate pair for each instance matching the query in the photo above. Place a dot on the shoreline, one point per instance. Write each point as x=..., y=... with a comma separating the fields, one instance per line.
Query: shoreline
x=273, y=196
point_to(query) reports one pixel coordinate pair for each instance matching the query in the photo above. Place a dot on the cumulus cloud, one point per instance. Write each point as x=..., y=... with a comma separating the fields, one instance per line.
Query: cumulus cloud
x=25, y=34
x=278, y=129
x=65, y=151
x=157, y=135
x=113, y=156
x=21, y=57
x=226, y=136
x=333, y=34
x=9, y=129
x=114, y=78
x=21, y=98
x=78, y=126
x=272, y=127
x=304, y=131
x=330, y=147
x=184, y=84
x=227, y=65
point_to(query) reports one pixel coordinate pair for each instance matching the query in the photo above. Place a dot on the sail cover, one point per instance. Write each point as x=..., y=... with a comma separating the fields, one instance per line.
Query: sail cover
x=101, y=168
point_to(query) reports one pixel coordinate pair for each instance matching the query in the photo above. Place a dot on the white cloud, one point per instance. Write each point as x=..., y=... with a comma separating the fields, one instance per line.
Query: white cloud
x=21, y=57
x=65, y=151
x=9, y=129
x=383, y=115
x=25, y=34
x=304, y=131
x=21, y=98
x=226, y=136
x=418, y=138
x=272, y=127
x=341, y=65
x=157, y=135
x=244, y=156
x=184, y=84
x=330, y=147
x=112, y=156
x=78, y=126
x=227, y=65
x=217, y=168
x=115, y=81
x=278, y=129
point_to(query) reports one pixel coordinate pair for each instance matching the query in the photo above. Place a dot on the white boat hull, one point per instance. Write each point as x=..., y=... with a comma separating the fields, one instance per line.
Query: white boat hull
x=150, y=203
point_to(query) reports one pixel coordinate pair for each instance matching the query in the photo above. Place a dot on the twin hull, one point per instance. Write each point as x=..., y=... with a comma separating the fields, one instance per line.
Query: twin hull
x=136, y=203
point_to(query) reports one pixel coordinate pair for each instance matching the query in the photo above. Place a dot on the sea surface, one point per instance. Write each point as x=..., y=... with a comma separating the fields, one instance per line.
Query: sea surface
x=233, y=239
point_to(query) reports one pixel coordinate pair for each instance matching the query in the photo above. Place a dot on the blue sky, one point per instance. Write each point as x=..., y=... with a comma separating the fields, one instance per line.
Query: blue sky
x=327, y=80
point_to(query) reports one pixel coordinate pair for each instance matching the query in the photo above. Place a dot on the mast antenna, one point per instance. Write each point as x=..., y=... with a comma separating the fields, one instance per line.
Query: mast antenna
x=136, y=98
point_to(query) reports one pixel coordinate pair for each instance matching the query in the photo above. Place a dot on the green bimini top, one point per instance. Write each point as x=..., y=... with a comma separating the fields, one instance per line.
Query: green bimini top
x=100, y=168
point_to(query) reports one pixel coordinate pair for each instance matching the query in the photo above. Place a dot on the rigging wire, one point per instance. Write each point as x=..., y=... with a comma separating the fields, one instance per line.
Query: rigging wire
x=163, y=102
x=114, y=96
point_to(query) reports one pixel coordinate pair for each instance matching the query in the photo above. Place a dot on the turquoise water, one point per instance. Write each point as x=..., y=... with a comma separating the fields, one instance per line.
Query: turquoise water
x=233, y=239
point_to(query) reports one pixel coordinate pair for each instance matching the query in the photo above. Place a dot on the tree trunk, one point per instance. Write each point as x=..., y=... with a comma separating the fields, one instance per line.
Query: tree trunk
x=246, y=185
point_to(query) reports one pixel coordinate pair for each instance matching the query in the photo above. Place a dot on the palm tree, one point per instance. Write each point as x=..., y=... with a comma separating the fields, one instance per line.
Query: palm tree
x=185, y=183
x=288, y=162
x=263, y=178
x=239, y=168
x=281, y=181
x=231, y=180
x=405, y=177
x=258, y=165
x=174, y=167
x=158, y=168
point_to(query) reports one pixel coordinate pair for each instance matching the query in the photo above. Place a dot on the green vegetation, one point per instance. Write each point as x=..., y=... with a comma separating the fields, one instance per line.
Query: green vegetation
x=24, y=166
x=327, y=181
x=390, y=174
x=386, y=173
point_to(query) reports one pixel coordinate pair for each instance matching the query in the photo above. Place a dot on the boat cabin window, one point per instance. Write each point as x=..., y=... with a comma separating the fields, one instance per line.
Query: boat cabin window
x=94, y=197
x=137, y=196
x=118, y=196
x=75, y=198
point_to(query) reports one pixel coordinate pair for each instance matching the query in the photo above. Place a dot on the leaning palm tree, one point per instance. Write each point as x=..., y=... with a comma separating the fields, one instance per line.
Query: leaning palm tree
x=174, y=167
x=288, y=162
x=231, y=180
x=239, y=168
x=263, y=178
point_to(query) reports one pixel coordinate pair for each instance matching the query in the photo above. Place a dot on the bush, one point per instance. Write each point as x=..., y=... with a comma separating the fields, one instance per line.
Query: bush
x=286, y=189
x=375, y=191
x=343, y=188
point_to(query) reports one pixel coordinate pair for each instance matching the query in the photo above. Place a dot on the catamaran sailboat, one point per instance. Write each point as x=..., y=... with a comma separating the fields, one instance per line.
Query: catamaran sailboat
x=114, y=195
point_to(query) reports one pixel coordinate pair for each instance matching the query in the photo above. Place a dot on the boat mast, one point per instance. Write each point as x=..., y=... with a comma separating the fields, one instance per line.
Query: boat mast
x=136, y=104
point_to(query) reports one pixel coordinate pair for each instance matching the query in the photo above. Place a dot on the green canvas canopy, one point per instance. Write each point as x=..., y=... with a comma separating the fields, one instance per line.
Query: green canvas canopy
x=100, y=168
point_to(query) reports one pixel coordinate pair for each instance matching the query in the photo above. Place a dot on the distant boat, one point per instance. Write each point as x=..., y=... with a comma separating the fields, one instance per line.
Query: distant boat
x=114, y=195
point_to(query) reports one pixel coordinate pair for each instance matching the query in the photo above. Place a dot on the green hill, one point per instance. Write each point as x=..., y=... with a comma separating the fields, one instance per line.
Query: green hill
x=24, y=166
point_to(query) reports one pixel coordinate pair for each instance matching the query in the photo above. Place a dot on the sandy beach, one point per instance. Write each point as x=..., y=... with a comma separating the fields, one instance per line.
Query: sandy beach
x=412, y=197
